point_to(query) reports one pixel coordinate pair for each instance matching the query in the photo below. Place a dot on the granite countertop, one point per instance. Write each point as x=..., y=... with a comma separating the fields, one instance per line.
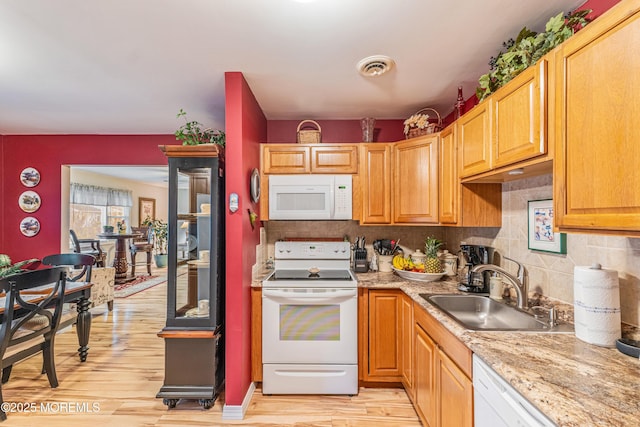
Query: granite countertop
x=574, y=383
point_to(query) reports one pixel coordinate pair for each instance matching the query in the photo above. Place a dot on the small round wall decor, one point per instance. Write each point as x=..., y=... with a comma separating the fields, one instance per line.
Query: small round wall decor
x=29, y=226
x=29, y=177
x=29, y=201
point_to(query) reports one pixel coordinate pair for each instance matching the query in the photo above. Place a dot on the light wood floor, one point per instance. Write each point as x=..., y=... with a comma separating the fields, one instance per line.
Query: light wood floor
x=125, y=370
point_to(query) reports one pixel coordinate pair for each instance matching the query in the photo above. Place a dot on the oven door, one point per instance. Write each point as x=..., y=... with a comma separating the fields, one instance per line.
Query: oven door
x=309, y=326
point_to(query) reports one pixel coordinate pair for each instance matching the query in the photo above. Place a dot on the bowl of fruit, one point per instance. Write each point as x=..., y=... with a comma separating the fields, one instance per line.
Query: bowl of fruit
x=428, y=271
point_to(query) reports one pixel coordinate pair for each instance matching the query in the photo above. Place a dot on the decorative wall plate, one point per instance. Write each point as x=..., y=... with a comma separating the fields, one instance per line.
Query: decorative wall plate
x=255, y=185
x=29, y=201
x=29, y=226
x=30, y=177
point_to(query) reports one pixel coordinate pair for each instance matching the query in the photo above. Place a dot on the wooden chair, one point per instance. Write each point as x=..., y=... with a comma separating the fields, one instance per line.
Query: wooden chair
x=144, y=243
x=88, y=246
x=17, y=342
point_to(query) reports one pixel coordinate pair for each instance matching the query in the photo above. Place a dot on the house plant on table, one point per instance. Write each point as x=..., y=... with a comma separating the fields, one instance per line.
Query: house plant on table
x=159, y=230
x=8, y=269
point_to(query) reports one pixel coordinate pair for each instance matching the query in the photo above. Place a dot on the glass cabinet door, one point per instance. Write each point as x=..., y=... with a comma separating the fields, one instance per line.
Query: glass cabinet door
x=195, y=223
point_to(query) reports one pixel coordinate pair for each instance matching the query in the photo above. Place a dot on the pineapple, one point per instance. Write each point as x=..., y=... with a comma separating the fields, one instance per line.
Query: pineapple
x=432, y=264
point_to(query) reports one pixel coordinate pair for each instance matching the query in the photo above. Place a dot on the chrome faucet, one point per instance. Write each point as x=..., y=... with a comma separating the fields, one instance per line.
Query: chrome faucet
x=519, y=283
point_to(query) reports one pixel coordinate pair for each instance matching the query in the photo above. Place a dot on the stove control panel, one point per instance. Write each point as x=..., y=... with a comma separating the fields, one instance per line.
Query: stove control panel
x=312, y=250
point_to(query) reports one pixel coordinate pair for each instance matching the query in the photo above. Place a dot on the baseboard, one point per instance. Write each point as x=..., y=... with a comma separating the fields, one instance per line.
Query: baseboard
x=236, y=412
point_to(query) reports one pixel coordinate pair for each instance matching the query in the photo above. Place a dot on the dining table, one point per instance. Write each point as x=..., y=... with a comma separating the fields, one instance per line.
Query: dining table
x=120, y=262
x=76, y=292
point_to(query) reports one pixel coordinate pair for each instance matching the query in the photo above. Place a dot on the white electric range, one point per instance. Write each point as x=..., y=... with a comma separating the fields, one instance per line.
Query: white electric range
x=310, y=320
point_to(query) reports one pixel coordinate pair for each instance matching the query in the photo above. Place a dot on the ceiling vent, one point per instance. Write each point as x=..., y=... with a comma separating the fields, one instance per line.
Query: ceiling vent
x=375, y=65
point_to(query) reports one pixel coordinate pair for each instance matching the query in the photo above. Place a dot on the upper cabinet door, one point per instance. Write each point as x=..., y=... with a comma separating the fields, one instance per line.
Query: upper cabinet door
x=416, y=181
x=329, y=158
x=449, y=184
x=519, y=117
x=375, y=181
x=474, y=136
x=596, y=180
x=285, y=158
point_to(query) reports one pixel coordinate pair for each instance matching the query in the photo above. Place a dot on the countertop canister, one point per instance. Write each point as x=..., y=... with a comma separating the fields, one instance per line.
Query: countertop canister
x=596, y=293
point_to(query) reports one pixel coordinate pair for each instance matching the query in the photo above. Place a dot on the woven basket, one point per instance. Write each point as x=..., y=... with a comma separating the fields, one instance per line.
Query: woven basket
x=433, y=127
x=309, y=136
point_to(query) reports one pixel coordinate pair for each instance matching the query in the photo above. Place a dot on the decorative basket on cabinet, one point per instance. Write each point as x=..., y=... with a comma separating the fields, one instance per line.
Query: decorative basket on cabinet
x=309, y=136
x=422, y=123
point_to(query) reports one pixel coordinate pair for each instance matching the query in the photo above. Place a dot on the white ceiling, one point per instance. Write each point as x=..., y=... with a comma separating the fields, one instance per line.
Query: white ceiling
x=128, y=66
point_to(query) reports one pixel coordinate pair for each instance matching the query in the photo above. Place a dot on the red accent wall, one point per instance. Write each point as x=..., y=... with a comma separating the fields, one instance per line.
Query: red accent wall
x=246, y=128
x=47, y=153
x=336, y=130
x=598, y=6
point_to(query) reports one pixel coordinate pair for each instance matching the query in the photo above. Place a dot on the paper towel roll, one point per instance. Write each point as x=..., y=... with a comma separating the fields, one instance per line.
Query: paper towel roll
x=596, y=293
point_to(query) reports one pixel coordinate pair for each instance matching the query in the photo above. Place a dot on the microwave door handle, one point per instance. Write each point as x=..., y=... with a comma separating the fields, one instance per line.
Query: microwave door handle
x=332, y=198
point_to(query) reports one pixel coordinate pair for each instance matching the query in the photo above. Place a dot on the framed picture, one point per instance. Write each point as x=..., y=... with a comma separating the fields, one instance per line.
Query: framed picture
x=146, y=209
x=541, y=235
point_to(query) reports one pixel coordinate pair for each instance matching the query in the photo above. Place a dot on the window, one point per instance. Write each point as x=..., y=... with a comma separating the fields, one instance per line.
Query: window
x=92, y=207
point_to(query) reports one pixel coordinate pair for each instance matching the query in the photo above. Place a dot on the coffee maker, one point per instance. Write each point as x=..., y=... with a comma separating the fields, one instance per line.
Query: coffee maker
x=472, y=255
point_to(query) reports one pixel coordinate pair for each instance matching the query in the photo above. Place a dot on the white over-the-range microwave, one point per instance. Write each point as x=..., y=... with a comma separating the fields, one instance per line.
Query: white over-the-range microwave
x=310, y=197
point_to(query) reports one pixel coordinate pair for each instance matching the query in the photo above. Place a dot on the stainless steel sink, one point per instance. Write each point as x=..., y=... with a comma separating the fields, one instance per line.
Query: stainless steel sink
x=480, y=313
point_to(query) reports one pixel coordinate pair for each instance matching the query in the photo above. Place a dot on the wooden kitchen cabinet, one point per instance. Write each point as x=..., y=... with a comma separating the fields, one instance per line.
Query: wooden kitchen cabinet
x=379, y=318
x=519, y=117
x=449, y=181
x=329, y=158
x=425, y=384
x=285, y=158
x=375, y=183
x=256, y=334
x=415, y=177
x=470, y=204
x=309, y=158
x=596, y=179
x=442, y=374
x=406, y=344
x=455, y=393
x=474, y=140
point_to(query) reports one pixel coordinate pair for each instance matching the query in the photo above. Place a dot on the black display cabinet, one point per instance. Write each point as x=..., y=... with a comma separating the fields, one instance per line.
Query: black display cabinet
x=193, y=335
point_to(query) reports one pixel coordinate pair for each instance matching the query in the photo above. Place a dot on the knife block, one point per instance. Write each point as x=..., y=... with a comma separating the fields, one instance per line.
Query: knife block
x=360, y=264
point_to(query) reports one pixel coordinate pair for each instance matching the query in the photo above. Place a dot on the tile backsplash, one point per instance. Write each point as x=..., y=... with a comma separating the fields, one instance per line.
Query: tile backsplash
x=552, y=274
x=549, y=274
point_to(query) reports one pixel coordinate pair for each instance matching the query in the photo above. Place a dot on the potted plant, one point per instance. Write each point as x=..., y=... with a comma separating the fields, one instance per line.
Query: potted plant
x=160, y=231
x=8, y=269
x=527, y=49
x=194, y=133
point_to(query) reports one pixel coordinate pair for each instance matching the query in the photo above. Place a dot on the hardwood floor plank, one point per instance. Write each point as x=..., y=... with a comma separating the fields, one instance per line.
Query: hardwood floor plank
x=125, y=370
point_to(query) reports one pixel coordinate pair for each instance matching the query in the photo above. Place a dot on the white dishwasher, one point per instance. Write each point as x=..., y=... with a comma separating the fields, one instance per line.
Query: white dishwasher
x=498, y=404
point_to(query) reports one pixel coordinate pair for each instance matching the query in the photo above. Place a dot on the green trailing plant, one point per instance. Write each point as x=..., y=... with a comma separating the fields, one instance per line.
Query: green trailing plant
x=7, y=269
x=194, y=133
x=160, y=232
x=527, y=49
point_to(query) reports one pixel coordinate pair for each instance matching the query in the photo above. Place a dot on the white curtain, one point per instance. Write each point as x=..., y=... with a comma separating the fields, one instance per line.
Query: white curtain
x=83, y=194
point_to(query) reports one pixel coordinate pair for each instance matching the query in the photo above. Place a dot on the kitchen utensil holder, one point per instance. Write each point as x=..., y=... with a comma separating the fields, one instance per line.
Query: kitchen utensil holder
x=360, y=261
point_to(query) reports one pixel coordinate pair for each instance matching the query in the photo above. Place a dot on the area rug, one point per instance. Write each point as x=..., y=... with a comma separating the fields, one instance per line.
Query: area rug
x=140, y=283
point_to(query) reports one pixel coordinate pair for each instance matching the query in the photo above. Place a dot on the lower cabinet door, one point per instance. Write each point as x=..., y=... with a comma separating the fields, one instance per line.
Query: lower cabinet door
x=456, y=394
x=425, y=384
